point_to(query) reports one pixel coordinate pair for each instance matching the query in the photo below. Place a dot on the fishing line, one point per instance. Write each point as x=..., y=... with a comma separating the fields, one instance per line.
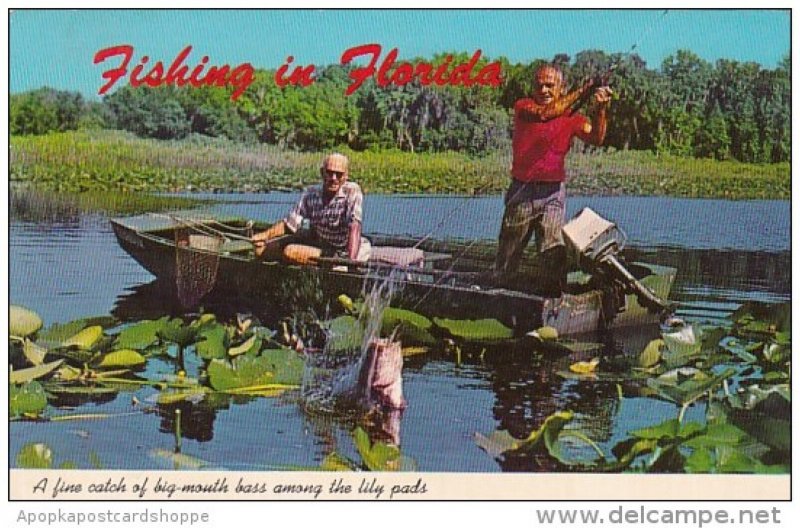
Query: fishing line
x=646, y=32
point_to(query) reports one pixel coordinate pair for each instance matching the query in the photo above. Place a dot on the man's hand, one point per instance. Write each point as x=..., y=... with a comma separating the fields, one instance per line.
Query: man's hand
x=602, y=96
x=260, y=239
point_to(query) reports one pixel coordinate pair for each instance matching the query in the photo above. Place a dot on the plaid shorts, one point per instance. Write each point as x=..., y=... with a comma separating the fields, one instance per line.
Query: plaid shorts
x=530, y=208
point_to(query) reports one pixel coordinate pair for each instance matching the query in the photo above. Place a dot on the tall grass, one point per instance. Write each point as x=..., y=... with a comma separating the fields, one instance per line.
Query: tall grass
x=118, y=161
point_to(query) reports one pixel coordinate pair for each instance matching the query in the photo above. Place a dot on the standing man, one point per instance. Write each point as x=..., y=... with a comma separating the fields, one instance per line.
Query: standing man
x=534, y=203
x=334, y=217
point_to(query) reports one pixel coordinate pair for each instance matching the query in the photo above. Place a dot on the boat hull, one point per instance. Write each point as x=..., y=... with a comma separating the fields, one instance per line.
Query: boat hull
x=439, y=295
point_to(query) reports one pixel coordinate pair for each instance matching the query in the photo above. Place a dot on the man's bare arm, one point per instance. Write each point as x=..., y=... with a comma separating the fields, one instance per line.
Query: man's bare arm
x=354, y=240
x=531, y=110
x=594, y=133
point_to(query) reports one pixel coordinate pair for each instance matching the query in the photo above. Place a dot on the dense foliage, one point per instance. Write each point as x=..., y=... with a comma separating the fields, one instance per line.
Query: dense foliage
x=114, y=162
x=686, y=107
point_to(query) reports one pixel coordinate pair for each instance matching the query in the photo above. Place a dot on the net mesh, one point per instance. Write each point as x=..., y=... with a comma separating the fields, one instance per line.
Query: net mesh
x=196, y=264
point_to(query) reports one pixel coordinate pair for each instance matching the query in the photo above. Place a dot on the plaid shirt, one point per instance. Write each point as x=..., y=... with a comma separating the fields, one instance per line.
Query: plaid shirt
x=330, y=222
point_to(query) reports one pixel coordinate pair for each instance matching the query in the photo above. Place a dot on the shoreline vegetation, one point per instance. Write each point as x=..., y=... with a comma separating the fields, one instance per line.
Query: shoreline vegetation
x=108, y=162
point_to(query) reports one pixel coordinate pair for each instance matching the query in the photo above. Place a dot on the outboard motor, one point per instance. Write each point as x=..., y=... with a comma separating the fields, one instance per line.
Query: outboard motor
x=596, y=242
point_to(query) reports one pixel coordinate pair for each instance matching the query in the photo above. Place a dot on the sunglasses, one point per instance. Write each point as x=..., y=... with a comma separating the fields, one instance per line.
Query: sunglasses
x=334, y=174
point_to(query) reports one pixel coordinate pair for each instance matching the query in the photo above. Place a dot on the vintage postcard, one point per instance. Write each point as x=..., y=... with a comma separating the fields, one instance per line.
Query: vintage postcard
x=455, y=254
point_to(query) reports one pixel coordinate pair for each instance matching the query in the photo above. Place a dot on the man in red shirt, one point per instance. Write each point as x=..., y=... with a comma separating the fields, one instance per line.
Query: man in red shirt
x=544, y=127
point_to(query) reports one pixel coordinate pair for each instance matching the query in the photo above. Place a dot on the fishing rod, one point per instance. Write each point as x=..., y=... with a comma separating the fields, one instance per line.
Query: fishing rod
x=580, y=96
x=604, y=78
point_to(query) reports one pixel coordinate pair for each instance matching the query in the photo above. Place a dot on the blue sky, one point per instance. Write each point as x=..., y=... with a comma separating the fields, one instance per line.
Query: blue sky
x=56, y=48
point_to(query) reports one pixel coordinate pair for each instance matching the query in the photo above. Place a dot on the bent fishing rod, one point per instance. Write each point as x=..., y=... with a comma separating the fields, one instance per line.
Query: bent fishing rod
x=581, y=94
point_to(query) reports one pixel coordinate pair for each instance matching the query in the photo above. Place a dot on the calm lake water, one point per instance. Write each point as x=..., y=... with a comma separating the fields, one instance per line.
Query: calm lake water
x=71, y=267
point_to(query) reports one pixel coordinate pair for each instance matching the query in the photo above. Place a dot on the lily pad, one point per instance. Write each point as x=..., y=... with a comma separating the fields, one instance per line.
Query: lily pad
x=668, y=429
x=377, y=456
x=684, y=385
x=176, y=332
x=85, y=339
x=35, y=456
x=29, y=374
x=122, y=358
x=759, y=319
x=141, y=335
x=193, y=394
x=585, y=367
x=336, y=462
x=278, y=366
x=547, y=333
x=29, y=398
x=60, y=332
x=651, y=354
x=410, y=327
x=213, y=342
x=546, y=436
x=345, y=334
x=33, y=352
x=251, y=346
x=23, y=322
x=480, y=330
x=682, y=346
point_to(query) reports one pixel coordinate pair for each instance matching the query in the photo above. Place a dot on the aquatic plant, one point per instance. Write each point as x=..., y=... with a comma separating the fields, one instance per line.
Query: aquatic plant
x=746, y=430
x=81, y=161
x=99, y=356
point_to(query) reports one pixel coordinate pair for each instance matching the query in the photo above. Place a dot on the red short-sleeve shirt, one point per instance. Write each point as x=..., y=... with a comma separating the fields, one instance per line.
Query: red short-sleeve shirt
x=540, y=147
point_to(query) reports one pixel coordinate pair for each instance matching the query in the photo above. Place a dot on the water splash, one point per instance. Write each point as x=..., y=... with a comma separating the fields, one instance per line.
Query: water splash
x=332, y=374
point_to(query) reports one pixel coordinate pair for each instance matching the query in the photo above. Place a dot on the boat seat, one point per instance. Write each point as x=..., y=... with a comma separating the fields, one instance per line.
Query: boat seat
x=397, y=256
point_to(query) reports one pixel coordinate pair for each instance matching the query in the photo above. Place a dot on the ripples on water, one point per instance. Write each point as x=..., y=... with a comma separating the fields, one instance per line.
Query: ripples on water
x=726, y=253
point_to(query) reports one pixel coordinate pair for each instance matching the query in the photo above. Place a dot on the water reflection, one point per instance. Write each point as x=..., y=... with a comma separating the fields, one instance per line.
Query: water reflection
x=66, y=265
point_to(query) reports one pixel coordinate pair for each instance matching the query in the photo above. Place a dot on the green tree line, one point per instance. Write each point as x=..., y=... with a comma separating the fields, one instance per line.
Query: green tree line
x=686, y=107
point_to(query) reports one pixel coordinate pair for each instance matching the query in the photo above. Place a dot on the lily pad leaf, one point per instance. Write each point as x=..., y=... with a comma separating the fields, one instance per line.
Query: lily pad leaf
x=122, y=358
x=141, y=335
x=272, y=367
x=213, y=342
x=345, y=333
x=251, y=346
x=60, y=332
x=378, y=456
x=546, y=436
x=480, y=330
x=686, y=384
x=761, y=318
x=29, y=374
x=716, y=435
x=29, y=398
x=85, y=339
x=651, y=354
x=176, y=332
x=193, y=394
x=409, y=327
x=585, y=367
x=682, y=346
x=497, y=443
x=35, y=456
x=336, y=462
x=34, y=352
x=669, y=429
x=23, y=322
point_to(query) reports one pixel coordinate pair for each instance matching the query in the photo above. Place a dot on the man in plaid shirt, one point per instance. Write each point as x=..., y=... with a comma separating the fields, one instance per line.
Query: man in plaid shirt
x=333, y=214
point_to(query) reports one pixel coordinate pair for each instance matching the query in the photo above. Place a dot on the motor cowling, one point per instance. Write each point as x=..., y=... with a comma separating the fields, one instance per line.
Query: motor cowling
x=595, y=244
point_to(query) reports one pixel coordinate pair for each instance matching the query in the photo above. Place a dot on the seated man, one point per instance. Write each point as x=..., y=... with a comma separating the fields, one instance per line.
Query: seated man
x=333, y=212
